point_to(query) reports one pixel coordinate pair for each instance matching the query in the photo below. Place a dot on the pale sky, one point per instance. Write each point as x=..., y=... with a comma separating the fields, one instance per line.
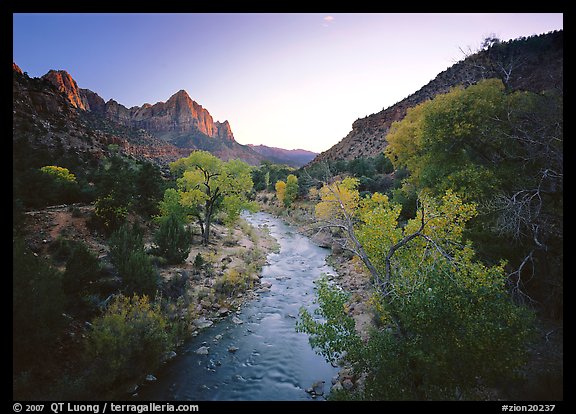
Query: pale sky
x=290, y=80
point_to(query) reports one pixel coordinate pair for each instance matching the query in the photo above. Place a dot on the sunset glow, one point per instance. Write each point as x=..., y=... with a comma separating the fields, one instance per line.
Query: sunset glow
x=286, y=80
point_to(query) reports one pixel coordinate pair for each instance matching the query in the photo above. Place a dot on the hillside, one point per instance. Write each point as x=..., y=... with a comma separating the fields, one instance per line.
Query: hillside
x=534, y=63
x=293, y=158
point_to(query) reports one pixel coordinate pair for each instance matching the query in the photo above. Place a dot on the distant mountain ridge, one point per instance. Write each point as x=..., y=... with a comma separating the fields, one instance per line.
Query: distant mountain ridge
x=180, y=124
x=293, y=158
x=534, y=63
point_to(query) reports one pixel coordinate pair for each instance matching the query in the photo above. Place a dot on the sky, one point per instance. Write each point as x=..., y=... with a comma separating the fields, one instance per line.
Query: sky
x=289, y=80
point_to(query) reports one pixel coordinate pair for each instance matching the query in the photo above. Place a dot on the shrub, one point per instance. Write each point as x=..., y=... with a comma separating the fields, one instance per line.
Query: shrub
x=174, y=240
x=133, y=264
x=82, y=269
x=110, y=213
x=139, y=275
x=199, y=261
x=37, y=306
x=231, y=282
x=127, y=342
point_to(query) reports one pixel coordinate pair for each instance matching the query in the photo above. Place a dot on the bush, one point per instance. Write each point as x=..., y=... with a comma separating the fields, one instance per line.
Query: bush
x=174, y=240
x=139, y=275
x=82, y=269
x=126, y=343
x=199, y=261
x=133, y=264
x=110, y=213
x=37, y=306
x=231, y=282
x=124, y=241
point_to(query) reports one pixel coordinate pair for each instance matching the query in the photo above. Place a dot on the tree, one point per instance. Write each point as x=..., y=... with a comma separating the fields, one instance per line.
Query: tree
x=170, y=206
x=503, y=151
x=291, y=191
x=149, y=188
x=133, y=264
x=208, y=185
x=57, y=185
x=173, y=239
x=444, y=318
x=59, y=173
x=280, y=191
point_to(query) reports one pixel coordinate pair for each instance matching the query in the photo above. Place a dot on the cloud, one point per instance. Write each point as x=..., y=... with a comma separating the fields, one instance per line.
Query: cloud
x=327, y=20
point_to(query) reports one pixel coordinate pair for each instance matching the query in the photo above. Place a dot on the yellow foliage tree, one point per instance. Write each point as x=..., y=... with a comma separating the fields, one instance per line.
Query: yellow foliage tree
x=280, y=191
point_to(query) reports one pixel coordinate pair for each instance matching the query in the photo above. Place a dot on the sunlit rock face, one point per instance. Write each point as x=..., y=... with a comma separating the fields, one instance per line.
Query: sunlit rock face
x=52, y=112
x=177, y=116
x=68, y=86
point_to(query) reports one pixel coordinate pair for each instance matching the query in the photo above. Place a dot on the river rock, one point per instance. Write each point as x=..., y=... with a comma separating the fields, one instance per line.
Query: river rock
x=150, y=378
x=316, y=389
x=348, y=384
x=202, y=323
x=232, y=349
x=223, y=311
x=337, y=387
x=168, y=356
x=266, y=285
x=203, y=350
x=237, y=321
x=345, y=373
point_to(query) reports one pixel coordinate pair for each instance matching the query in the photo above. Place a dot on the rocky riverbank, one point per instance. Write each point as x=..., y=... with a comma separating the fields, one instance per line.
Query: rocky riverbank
x=351, y=275
x=212, y=283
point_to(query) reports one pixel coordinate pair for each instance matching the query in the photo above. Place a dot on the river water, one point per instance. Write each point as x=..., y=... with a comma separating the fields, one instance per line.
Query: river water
x=262, y=358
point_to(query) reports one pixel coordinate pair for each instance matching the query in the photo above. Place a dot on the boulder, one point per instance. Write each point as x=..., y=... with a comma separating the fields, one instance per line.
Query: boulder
x=203, y=350
x=202, y=323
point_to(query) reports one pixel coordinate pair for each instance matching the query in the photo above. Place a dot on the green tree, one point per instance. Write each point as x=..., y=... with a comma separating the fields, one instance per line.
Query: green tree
x=207, y=185
x=173, y=239
x=501, y=149
x=170, y=205
x=59, y=173
x=57, y=185
x=133, y=264
x=149, y=189
x=445, y=319
x=291, y=190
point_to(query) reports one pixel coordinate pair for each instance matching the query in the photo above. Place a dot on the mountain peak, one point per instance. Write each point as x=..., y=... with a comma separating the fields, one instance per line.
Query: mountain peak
x=179, y=96
x=68, y=86
x=16, y=68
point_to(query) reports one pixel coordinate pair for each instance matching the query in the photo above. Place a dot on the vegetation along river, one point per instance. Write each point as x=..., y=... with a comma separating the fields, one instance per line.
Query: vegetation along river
x=256, y=354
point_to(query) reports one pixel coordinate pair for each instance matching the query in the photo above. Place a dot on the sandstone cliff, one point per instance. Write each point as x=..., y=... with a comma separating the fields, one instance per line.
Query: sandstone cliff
x=161, y=132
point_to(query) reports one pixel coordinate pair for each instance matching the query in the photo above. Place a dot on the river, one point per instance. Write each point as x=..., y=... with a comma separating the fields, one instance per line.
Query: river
x=263, y=357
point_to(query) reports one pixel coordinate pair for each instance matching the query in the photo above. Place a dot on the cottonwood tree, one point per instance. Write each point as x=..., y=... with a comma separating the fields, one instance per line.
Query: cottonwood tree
x=207, y=185
x=444, y=319
x=504, y=151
